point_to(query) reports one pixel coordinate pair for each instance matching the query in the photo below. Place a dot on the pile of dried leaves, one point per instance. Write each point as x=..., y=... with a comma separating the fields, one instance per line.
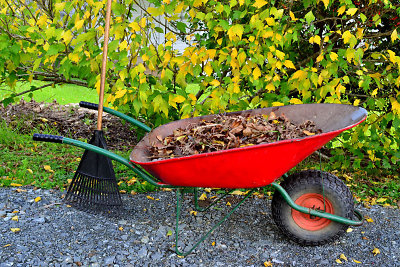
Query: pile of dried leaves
x=226, y=132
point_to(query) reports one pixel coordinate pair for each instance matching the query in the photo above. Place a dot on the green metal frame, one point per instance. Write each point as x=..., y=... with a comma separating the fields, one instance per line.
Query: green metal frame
x=179, y=193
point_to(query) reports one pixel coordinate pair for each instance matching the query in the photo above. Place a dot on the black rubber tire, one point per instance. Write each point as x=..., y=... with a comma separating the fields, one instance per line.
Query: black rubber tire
x=310, y=181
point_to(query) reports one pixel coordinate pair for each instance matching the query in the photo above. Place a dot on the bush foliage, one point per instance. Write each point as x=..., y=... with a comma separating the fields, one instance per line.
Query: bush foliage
x=240, y=54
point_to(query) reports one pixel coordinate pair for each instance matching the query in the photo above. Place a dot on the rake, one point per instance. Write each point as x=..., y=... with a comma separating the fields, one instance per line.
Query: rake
x=94, y=185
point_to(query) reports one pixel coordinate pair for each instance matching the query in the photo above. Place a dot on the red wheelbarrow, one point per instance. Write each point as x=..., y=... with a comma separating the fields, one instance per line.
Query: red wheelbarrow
x=310, y=207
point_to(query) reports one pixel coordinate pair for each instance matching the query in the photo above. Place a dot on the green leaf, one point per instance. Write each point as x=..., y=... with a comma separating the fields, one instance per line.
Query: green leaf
x=158, y=29
x=309, y=17
x=181, y=26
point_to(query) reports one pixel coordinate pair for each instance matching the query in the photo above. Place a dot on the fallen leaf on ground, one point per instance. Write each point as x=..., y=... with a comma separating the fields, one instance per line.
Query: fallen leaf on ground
x=15, y=184
x=368, y=219
x=213, y=243
x=169, y=233
x=121, y=228
x=349, y=230
x=203, y=197
x=38, y=199
x=376, y=251
x=356, y=261
x=343, y=257
x=149, y=197
x=15, y=230
x=193, y=212
x=268, y=264
x=339, y=261
x=15, y=218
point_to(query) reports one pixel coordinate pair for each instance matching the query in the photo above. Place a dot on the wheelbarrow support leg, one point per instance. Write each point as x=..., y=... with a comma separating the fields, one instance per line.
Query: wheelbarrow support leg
x=179, y=195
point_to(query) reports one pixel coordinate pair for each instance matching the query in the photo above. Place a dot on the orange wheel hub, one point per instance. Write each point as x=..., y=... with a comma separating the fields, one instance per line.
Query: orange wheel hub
x=316, y=202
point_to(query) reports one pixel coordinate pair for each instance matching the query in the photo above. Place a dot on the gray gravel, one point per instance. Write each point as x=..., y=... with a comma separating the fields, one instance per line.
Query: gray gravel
x=53, y=234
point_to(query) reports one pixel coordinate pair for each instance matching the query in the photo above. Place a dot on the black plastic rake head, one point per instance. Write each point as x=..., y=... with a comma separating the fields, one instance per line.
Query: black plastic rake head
x=94, y=185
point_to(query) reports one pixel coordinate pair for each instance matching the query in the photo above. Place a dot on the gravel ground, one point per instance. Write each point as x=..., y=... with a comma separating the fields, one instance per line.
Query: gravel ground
x=53, y=234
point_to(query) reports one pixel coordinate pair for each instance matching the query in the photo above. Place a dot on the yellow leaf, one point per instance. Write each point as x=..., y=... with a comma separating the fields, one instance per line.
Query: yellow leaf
x=326, y=3
x=79, y=24
x=270, y=21
x=47, y=168
x=277, y=104
x=349, y=230
x=333, y=56
x=343, y=257
x=74, y=57
x=376, y=251
x=215, y=83
x=280, y=54
x=300, y=75
x=380, y=200
x=270, y=87
x=235, y=30
x=149, y=197
x=341, y=10
x=320, y=57
x=123, y=45
x=121, y=228
x=346, y=37
x=238, y=193
x=203, y=196
x=394, y=36
x=289, y=64
x=256, y=73
x=15, y=218
x=368, y=219
x=228, y=204
x=268, y=264
x=292, y=16
x=395, y=105
x=315, y=39
x=15, y=184
x=260, y=3
x=6, y=245
x=208, y=69
x=351, y=11
x=339, y=261
x=15, y=230
x=192, y=212
x=37, y=199
x=356, y=261
x=120, y=93
x=213, y=243
x=374, y=92
x=179, y=99
x=308, y=133
x=142, y=22
x=295, y=101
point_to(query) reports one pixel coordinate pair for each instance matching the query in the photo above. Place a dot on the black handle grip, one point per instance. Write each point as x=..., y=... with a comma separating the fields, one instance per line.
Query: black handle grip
x=88, y=105
x=48, y=138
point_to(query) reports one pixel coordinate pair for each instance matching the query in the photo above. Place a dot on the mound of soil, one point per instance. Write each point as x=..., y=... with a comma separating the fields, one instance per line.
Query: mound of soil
x=69, y=121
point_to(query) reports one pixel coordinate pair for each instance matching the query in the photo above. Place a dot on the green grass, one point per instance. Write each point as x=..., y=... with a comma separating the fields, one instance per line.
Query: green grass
x=64, y=94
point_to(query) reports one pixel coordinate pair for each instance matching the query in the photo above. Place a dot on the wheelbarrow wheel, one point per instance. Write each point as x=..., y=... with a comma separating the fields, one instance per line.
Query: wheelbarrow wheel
x=316, y=190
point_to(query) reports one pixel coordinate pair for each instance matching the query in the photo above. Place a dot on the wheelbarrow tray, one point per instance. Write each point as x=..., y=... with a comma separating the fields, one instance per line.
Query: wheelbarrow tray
x=251, y=166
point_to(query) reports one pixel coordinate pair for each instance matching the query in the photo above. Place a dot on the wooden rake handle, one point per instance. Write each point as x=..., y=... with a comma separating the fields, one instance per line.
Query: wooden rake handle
x=104, y=65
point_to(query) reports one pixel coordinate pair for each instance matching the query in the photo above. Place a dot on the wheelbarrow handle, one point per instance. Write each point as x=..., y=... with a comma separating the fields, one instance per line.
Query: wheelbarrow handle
x=48, y=138
x=88, y=105
x=120, y=115
x=68, y=141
